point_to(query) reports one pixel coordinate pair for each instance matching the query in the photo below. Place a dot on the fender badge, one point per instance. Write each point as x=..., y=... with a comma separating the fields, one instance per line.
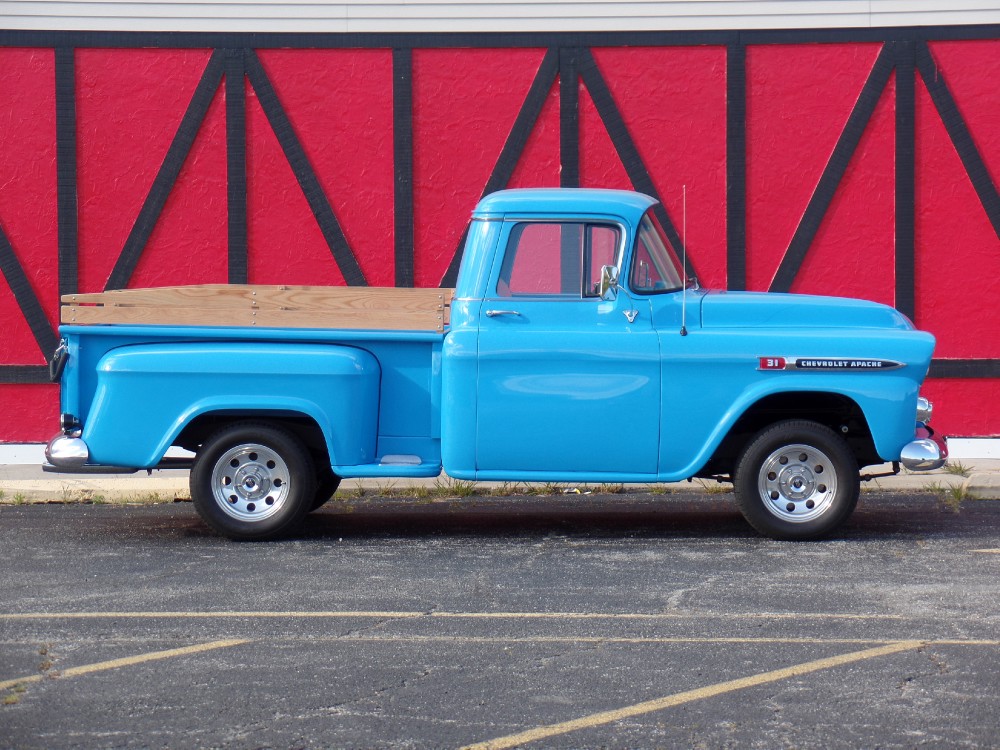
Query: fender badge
x=827, y=364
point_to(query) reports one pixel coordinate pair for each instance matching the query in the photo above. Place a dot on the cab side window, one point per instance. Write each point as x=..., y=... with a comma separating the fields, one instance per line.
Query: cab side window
x=559, y=259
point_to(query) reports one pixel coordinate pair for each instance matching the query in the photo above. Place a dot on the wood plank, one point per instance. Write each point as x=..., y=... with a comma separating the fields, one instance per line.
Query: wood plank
x=276, y=297
x=193, y=316
x=265, y=306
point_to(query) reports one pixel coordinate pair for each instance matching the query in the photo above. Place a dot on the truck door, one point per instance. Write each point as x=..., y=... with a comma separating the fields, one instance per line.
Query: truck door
x=568, y=383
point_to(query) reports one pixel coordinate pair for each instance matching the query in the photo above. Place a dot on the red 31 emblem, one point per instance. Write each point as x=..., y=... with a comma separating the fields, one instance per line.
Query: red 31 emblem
x=772, y=363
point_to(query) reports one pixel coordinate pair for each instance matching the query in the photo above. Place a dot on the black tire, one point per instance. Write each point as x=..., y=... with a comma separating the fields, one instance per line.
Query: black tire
x=326, y=484
x=252, y=480
x=797, y=480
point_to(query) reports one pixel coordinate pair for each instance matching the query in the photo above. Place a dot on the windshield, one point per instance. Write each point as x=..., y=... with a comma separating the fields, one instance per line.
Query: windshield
x=655, y=267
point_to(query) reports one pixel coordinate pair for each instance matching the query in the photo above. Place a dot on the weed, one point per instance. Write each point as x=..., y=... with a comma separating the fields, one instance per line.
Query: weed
x=951, y=496
x=2, y=495
x=11, y=699
x=714, y=488
x=610, y=489
x=958, y=469
x=454, y=488
x=388, y=489
x=420, y=492
x=19, y=498
x=145, y=498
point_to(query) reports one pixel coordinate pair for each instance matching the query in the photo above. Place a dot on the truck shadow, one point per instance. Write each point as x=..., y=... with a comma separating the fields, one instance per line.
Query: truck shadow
x=525, y=523
x=620, y=516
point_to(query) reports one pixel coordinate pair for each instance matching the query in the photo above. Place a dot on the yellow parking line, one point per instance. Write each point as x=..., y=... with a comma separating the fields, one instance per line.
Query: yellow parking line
x=608, y=717
x=124, y=662
x=609, y=640
x=395, y=615
x=197, y=615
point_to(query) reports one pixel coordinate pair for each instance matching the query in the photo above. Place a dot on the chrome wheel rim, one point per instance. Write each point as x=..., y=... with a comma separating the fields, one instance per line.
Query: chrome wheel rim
x=797, y=483
x=250, y=482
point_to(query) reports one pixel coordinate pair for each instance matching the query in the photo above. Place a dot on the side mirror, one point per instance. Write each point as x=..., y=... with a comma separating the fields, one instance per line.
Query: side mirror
x=609, y=283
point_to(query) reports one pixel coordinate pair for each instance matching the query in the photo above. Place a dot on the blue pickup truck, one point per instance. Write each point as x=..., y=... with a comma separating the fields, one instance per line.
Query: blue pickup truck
x=574, y=348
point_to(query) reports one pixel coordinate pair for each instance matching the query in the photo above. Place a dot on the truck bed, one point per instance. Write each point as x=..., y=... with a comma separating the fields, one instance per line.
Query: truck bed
x=351, y=308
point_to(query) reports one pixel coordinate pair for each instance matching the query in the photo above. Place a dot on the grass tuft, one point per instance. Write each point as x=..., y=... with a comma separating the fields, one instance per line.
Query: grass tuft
x=957, y=468
x=951, y=496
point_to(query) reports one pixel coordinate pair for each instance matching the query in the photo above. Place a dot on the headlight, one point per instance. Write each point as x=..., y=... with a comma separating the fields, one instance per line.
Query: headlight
x=925, y=409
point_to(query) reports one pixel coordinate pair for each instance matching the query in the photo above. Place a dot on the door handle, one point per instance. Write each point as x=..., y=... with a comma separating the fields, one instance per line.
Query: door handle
x=495, y=313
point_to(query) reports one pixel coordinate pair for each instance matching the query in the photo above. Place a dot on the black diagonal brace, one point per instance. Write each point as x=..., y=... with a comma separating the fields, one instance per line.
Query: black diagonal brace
x=167, y=175
x=635, y=168
x=304, y=172
x=525, y=122
x=847, y=144
x=26, y=298
x=959, y=133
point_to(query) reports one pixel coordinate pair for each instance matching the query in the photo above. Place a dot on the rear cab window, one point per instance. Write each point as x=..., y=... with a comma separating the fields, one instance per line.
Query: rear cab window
x=557, y=258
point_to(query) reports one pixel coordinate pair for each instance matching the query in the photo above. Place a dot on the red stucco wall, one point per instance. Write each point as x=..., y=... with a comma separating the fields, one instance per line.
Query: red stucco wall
x=673, y=100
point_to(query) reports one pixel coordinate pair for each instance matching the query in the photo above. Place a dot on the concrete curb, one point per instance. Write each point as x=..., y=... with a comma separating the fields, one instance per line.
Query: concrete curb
x=28, y=484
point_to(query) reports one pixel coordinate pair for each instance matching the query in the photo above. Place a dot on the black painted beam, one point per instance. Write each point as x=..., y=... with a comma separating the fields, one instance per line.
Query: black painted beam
x=847, y=144
x=303, y=170
x=166, y=177
x=736, y=167
x=524, y=123
x=625, y=146
x=958, y=131
x=236, y=167
x=66, y=180
x=402, y=144
x=905, y=181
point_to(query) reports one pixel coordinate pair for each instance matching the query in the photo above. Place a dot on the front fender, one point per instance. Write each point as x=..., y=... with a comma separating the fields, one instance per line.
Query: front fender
x=712, y=377
x=888, y=404
x=147, y=393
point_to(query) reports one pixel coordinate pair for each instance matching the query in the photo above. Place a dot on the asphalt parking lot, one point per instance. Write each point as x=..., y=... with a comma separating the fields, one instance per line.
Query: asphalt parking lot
x=621, y=621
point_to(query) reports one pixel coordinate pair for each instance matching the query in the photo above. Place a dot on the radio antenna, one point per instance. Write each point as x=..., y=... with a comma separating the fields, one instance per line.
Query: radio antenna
x=684, y=261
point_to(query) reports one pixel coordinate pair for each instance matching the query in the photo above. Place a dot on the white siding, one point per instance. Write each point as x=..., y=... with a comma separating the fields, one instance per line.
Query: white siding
x=486, y=15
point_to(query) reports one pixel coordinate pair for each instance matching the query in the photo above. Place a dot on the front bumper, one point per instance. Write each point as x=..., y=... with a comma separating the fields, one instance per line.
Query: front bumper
x=67, y=450
x=925, y=453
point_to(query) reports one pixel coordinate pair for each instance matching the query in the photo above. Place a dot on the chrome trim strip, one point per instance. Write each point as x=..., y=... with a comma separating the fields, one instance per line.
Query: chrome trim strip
x=827, y=364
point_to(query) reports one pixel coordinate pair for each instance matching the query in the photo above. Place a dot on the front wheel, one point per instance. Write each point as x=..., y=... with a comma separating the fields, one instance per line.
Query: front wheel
x=797, y=480
x=252, y=481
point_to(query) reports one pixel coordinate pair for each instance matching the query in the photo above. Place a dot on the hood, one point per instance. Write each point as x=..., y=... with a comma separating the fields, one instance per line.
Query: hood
x=769, y=310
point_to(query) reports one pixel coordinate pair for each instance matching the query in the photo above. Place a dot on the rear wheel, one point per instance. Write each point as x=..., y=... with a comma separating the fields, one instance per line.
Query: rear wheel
x=252, y=481
x=797, y=480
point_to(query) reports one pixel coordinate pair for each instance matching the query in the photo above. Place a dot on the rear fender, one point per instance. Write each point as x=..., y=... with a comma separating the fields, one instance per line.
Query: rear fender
x=146, y=394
